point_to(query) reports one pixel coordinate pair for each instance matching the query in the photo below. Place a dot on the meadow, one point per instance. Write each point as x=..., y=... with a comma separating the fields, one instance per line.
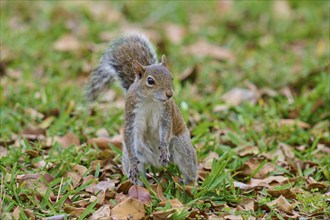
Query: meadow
x=251, y=79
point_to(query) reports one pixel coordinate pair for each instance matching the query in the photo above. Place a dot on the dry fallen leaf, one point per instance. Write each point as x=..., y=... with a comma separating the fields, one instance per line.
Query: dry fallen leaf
x=68, y=140
x=175, y=33
x=124, y=187
x=56, y=217
x=35, y=182
x=175, y=203
x=161, y=215
x=283, y=204
x=76, y=173
x=224, y=6
x=130, y=208
x=3, y=152
x=75, y=211
x=269, y=181
x=207, y=162
x=103, y=213
x=281, y=9
x=189, y=74
x=287, y=193
x=104, y=186
x=248, y=150
x=203, y=49
x=140, y=193
x=34, y=133
x=102, y=132
x=232, y=217
x=67, y=43
x=159, y=190
x=287, y=151
x=252, y=164
x=292, y=122
x=104, y=143
x=238, y=96
x=248, y=204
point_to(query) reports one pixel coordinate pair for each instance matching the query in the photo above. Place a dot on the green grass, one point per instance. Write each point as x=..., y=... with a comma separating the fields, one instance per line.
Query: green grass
x=271, y=52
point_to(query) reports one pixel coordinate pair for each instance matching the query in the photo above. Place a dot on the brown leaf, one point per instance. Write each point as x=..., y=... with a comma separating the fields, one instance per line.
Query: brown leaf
x=284, y=205
x=159, y=190
x=248, y=204
x=47, y=122
x=73, y=210
x=287, y=151
x=3, y=152
x=140, y=193
x=269, y=181
x=5, y=143
x=34, y=114
x=103, y=12
x=124, y=187
x=312, y=184
x=175, y=33
x=67, y=43
x=220, y=108
x=175, y=203
x=68, y=140
x=56, y=217
x=102, y=132
x=238, y=96
x=32, y=153
x=34, y=133
x=128, y=209
x=16, y=212
x=119, y=197
x=207, y=162
x=224, y=6
x=293, y=122
x=35, y=182
x=104, y=143
x=233, y=217
x=103, y=213
x=161, y=215
x=104, y=186
x=287, y=193
x=248, y=150
x=189, y=74
x=76, y=174
x=202, y=49
x=281, y=9
x=252, y=164
x=91, y=179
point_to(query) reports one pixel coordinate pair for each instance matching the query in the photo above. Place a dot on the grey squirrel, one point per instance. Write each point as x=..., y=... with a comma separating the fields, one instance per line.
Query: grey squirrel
x=154, y=132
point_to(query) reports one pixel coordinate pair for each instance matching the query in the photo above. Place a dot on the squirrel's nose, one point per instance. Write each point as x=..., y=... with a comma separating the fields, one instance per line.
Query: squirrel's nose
x=169, y=94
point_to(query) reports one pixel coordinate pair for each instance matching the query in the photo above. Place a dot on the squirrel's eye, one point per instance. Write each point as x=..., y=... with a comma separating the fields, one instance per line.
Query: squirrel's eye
x=150, y=81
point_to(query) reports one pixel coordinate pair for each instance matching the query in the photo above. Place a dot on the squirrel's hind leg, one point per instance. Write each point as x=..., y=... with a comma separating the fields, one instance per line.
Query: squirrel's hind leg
x=183, y=155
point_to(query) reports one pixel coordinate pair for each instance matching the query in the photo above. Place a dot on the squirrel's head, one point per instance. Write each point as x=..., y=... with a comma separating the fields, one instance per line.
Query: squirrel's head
x=155, y=80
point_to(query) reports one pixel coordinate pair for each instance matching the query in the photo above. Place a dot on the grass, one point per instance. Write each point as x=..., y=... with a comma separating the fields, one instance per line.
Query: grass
x=271, y=51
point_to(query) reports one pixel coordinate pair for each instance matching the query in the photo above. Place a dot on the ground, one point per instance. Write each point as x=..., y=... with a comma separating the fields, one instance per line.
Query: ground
x=251, y=79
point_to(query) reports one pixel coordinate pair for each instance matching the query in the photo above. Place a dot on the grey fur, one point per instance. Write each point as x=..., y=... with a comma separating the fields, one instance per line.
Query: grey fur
x=116, y=63
x=155, y=132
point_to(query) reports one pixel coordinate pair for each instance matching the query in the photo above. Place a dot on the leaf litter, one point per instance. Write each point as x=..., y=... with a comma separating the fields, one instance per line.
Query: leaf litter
x=79, y=173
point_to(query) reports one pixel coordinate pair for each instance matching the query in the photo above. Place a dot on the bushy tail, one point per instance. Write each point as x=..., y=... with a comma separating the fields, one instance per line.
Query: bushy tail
x=116, y=63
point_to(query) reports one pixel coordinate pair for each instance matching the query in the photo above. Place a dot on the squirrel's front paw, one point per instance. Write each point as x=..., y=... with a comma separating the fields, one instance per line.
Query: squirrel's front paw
x=164, y=157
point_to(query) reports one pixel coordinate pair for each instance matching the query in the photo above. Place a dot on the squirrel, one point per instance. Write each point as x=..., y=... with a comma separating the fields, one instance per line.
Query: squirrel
x=154, y=132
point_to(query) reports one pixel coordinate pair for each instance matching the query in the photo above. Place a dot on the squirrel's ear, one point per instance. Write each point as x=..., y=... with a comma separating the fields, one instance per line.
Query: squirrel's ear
x=138, y=68
x=163, y=61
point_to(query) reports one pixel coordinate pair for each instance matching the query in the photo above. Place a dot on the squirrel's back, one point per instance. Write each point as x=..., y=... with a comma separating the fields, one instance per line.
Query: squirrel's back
x=116, y=63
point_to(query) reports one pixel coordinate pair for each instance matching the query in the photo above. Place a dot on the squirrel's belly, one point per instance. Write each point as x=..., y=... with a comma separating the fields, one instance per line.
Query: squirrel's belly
x=147, y=131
